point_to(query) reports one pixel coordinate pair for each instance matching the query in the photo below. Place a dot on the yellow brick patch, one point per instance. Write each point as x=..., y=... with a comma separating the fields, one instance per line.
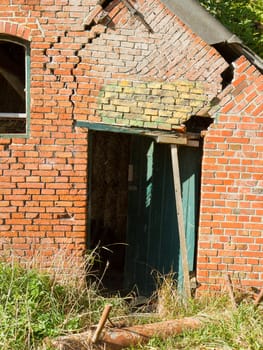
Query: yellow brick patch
x=157, y=105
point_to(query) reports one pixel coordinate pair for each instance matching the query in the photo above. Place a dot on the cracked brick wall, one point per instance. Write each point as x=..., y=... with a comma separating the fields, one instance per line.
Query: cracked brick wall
x=79, y=49
x=231, y=227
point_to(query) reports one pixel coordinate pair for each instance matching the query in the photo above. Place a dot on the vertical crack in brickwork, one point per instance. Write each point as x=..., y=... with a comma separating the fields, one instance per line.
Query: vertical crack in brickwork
x=95, y=28
x=94, y=24
x=47, y=65
x=75, y=88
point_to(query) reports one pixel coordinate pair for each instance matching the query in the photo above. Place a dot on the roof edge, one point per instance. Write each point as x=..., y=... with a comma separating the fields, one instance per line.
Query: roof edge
x=192, y=14
x=212, y=31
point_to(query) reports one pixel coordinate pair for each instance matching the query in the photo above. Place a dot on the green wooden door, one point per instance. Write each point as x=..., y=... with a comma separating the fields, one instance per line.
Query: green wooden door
x=152, y=235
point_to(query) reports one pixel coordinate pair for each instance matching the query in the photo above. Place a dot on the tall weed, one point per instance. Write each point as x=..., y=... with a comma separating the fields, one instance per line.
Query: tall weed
x=38, y=302
x=32, y=307
x=224, y=328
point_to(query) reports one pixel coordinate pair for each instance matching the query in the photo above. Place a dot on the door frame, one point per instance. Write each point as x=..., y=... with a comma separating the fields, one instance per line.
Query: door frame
x=171, y=138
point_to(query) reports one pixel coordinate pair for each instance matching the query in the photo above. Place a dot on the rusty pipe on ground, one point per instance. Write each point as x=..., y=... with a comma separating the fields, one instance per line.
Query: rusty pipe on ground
x=121, y=338
x=116, y=339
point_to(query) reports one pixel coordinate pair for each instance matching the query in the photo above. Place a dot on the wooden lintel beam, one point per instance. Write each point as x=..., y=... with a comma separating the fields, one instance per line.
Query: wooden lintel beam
x=193, y=143
x=180, y=140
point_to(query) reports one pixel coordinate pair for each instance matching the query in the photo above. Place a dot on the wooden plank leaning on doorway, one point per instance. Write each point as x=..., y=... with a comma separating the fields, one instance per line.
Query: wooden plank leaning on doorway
x=180, y=218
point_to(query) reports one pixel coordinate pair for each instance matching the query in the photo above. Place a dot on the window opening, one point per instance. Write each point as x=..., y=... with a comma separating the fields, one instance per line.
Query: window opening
x=14, y=95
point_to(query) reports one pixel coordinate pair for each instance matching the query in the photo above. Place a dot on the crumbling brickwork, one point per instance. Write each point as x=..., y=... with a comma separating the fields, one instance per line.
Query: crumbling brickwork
x=79, y=49
x=231, y=231
x=73, y=56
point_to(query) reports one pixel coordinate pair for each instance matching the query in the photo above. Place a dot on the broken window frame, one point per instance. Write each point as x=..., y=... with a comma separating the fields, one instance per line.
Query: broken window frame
x=26, y=115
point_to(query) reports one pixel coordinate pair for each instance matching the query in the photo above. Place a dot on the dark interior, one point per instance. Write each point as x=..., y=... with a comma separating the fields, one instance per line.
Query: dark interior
x=109, y=202
x=12, y=86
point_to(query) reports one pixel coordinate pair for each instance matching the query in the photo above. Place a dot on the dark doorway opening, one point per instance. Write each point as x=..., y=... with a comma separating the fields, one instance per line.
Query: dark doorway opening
x=132, y=209
x=110, y=153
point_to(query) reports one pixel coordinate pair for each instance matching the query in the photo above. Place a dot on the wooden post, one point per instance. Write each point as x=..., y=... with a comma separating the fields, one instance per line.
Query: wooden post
x=230, y=290
x=101, y=323
x=259, y=298
x=180, y=218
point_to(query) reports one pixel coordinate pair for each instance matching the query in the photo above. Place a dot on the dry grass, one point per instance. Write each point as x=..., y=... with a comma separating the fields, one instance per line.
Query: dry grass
x=224, y=327
x=42, y=300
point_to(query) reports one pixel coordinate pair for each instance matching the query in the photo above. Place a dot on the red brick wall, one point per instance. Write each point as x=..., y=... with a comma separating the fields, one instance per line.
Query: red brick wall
x=43, y=185
x=231, y=227
x=43, y=178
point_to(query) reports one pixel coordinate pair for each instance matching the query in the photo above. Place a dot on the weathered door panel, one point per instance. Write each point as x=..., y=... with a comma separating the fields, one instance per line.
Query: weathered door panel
x=190, y=174
x=152, y=235
x=163, y=237
x=139, y=198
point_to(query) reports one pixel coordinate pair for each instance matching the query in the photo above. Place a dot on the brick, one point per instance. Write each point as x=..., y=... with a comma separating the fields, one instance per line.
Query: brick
x=116, y=76
x=91, y=16
x=151, y=111
x=137, y=123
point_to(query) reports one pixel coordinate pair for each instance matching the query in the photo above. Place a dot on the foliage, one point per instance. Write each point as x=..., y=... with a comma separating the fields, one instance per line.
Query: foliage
x=239, y=329
x=242, y=17
x=34, y=306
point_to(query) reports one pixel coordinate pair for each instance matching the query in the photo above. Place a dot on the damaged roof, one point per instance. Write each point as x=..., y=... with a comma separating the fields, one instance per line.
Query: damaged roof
x=213, y=32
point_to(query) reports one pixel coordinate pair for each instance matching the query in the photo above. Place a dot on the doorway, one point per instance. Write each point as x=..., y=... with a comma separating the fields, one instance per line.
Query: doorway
x=133, y=211
x=109, y=155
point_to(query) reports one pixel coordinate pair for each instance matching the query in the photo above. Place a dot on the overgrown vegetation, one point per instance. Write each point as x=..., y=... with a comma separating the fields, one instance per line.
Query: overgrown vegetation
x=239, y=329
x=242, y=17
x=35, y=305
x=224, y=328
x=32, y=307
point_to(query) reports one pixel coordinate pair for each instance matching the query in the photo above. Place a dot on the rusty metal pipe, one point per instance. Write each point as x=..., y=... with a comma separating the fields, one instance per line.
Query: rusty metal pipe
x=121, y=338
x=115, y=339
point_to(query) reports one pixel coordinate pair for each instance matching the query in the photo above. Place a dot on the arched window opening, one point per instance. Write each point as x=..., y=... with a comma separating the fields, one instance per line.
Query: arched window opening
x=14, y=95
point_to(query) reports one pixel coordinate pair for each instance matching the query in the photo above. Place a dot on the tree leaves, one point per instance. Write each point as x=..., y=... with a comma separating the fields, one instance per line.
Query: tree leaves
x=242, y=17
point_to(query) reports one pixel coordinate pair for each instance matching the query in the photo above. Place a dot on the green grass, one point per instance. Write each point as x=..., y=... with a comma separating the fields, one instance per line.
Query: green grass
x=223, y=327
x=35, y=305
x=32, y=307
x=240, y=330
